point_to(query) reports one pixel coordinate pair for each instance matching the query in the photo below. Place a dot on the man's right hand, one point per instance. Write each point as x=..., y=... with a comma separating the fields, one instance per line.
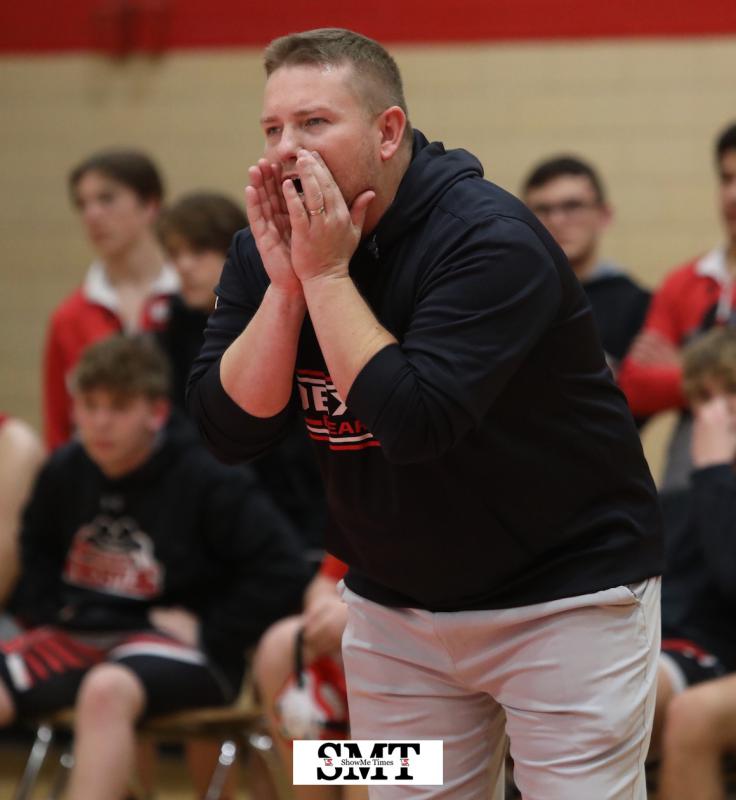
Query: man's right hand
x=257, y=368
x=269, y=222
x=714, y=433
x=324, y=622
x=651, y=348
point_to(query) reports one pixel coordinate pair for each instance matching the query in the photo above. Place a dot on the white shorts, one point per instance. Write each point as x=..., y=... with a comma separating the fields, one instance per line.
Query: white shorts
x=572, y=682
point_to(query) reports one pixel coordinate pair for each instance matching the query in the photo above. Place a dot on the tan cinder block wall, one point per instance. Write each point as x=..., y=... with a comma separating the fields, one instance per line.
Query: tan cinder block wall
x=646, y=112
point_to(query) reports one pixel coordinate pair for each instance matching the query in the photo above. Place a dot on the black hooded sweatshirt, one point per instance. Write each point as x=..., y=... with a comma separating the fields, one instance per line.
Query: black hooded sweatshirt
x=181, y=530
x=619, y=308
x=487, y=460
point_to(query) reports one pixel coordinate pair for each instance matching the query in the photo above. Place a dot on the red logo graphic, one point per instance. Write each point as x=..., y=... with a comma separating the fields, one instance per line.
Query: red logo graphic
x=114, y=556
x=327, y=416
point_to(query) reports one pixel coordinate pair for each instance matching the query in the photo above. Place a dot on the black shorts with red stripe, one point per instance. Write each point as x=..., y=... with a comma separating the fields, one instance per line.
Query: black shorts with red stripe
x=44, y=667
x=691, y=663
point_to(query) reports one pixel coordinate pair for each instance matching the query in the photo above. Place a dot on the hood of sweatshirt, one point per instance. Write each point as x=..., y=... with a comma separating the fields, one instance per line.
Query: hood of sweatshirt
x=431, y=173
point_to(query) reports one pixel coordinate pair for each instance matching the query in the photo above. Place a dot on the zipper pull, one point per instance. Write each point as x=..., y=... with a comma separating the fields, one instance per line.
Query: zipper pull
x=372, y=246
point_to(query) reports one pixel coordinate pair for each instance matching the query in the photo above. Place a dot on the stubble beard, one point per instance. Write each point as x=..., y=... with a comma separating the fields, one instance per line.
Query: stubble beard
x=364, y=175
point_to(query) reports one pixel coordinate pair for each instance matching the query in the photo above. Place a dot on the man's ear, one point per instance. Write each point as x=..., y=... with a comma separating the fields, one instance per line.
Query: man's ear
x=152, y=210
x=607, y=215
x=391, y=124
x=161, y=411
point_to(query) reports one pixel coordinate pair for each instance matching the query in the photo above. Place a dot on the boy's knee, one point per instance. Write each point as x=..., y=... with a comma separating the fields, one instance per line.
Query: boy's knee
x=689, y=721
x=7, y=707
x=274, y=658
x=111, y=690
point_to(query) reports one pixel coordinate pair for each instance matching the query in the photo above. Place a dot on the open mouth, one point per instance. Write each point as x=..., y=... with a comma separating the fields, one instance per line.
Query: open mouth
x=298, y=185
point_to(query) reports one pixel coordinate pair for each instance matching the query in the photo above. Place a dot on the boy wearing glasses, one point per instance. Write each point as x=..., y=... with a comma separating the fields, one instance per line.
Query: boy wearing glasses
x=569, y=198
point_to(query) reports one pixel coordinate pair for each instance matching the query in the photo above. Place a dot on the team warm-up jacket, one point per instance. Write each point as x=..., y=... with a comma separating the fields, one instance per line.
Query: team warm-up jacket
x=699, y=587
x=692, y=299
x=181, y=530
x=486, y=460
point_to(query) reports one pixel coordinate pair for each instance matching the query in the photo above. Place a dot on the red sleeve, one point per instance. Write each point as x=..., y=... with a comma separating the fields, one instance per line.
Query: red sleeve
x=333, y=568
x=56, y=401
x=651, y=388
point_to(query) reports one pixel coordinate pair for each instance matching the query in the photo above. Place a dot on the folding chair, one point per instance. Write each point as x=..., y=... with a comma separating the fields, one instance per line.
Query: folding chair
x=238, y=728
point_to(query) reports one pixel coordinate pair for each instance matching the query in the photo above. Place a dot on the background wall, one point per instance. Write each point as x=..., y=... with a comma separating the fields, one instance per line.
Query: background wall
x=644, y=110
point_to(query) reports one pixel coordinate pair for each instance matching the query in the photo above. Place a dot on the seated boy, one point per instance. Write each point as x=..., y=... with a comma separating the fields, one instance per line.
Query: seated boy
x=196, y=231
x=147, y=569
x=696, y=705
x=299, y=674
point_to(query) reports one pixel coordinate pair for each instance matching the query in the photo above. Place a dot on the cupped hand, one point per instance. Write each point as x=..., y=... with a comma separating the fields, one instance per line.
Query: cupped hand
x=324, y=623
x=269, y=221
x=324, y=231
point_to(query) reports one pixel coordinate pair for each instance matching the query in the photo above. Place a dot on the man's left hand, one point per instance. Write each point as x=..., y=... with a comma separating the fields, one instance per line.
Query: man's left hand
x=176, y=622
x=324, y=231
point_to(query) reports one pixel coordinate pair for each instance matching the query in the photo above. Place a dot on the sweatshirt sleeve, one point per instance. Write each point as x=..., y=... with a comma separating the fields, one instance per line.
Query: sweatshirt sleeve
x=650, y=388
x=714, y=509
x=36, y=598
x=479, y=311
x=263, y=572
x=231, y=433
x=56, y=400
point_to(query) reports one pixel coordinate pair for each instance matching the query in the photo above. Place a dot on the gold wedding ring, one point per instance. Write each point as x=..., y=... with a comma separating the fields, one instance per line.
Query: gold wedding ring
x=314, y=212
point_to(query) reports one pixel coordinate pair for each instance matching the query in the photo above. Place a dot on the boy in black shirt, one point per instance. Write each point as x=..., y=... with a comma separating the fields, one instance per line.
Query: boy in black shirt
x=568, y=196
x=147, y=570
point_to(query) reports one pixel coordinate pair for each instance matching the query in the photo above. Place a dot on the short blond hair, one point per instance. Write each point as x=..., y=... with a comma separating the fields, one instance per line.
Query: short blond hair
x=376, y=72
x=712, y=355
x=125, y=366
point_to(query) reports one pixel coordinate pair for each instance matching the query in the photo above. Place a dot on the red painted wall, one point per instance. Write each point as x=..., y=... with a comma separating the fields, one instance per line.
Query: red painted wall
x=156, y=25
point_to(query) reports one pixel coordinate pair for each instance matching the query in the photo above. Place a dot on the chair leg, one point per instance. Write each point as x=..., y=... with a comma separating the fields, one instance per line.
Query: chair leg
x=225, y=761
x=66, y=762
x=36, y=759
x=262, y=744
